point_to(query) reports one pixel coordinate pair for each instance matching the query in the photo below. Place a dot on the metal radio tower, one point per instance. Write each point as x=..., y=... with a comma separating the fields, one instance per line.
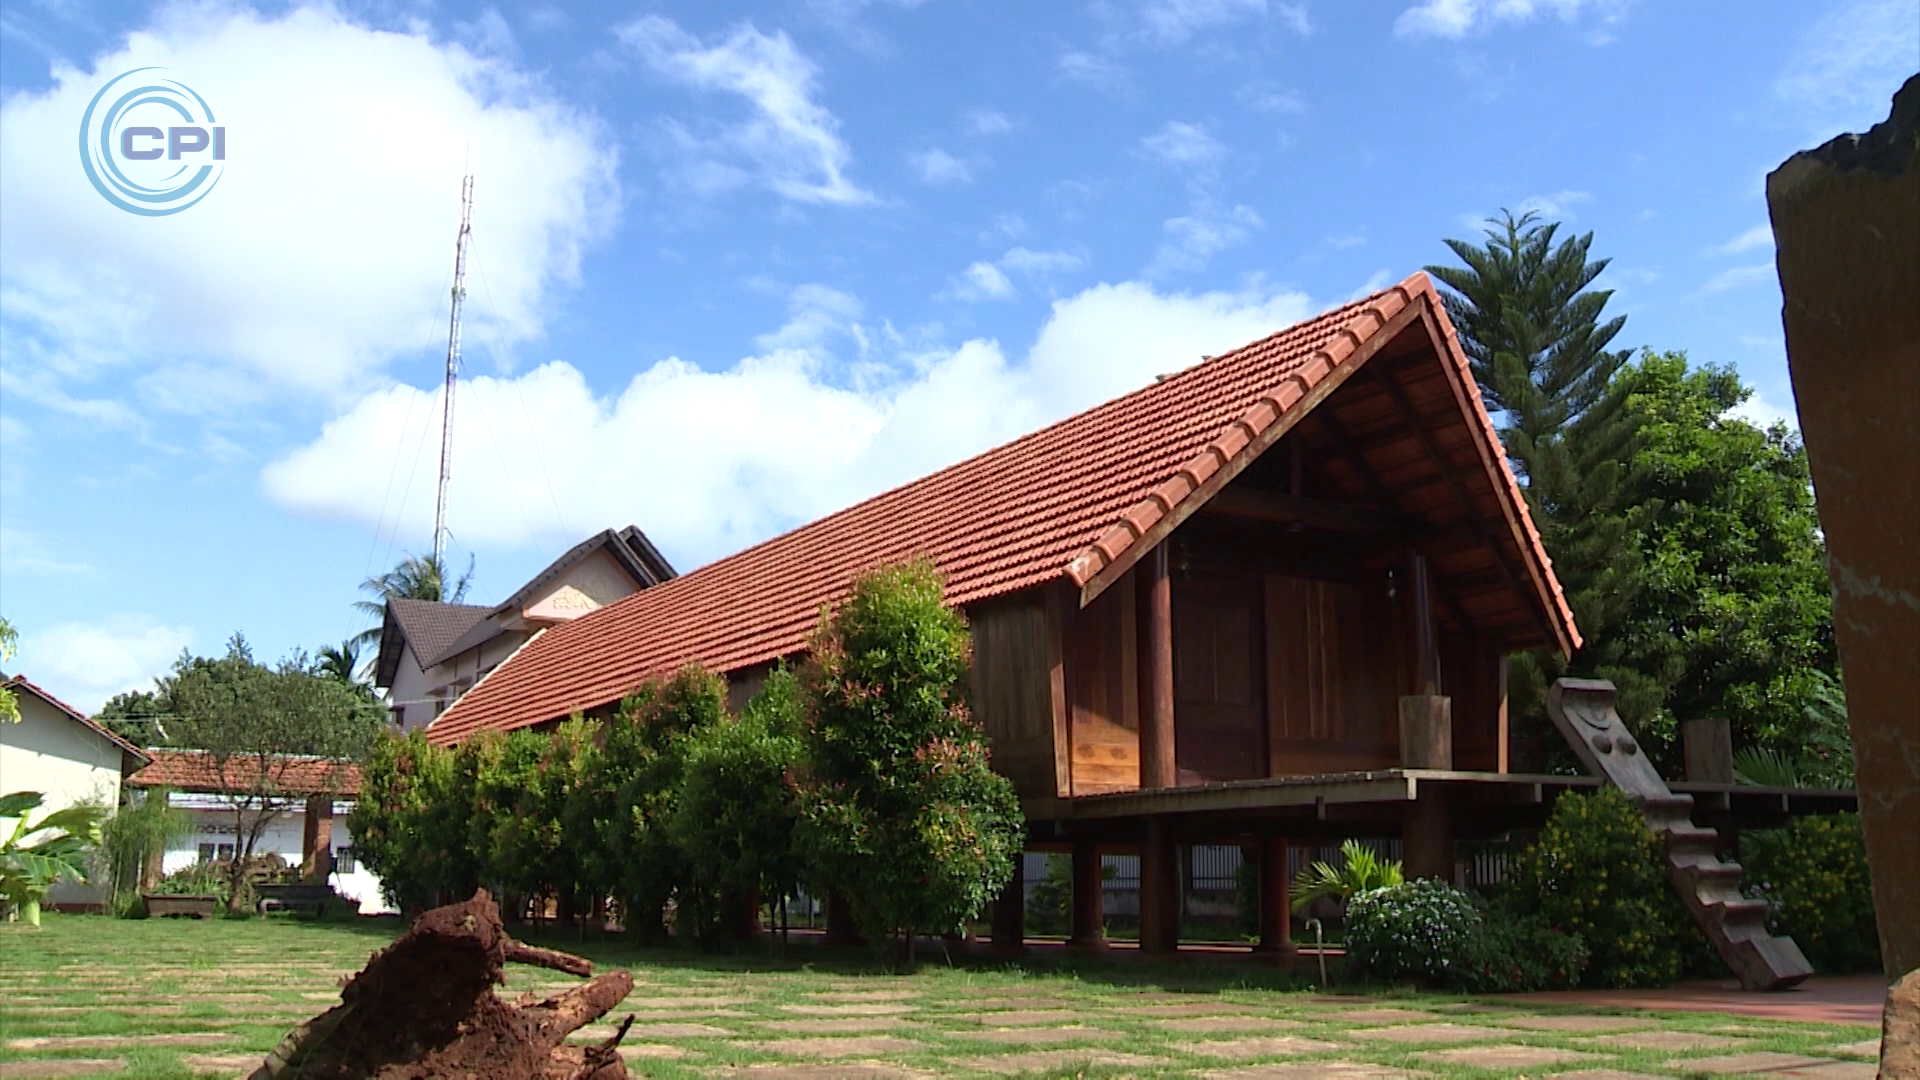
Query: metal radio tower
x=453, y=376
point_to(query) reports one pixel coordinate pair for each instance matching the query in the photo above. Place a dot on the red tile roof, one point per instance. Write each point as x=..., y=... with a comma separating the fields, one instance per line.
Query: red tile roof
x=193, y=770
x=1063, y=503
x=21, y=682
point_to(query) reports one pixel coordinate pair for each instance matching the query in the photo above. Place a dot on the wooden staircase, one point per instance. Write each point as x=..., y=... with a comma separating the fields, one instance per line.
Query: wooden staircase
x=1709, y=886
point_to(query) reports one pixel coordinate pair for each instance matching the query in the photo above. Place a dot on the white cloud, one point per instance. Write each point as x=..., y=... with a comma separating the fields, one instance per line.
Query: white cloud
x=708, y=461
x=1458, y=18
x=1173, y=21
x=939, y=168
x=991, y=280
x=1194, y=239
x=1852, y=60
x=1762, y=413
x=1109, y=76
x=788, y=142
x=1760, y=236
x=1270, y=97
x=988, y=122
x=982, y=281
x=1737, y=276
x=341, y=196
x=1555, y=207
x=85, y=663
x=1180, y=143
x=1344, y=241
x=27, y=553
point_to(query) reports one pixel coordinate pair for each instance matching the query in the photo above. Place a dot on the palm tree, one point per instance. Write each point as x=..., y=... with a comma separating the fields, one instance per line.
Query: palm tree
x=1360, y=871
x=341, y=662
x=415, y=577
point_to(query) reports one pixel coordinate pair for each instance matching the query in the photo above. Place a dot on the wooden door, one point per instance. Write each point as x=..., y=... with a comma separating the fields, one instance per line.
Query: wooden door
x=1219, y=707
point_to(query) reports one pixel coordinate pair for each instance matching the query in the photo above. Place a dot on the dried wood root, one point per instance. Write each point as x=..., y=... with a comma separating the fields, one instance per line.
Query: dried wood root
x=424, y=1007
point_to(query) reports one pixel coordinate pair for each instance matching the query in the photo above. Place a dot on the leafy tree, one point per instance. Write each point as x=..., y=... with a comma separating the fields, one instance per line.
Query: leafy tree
x=36, y=855
x=513, y=853
x=900, y=812
x=414, y=577
x=1731, y=609
x=642, y=761
x=410, y=822
x=132, y=840
x=138, y=716
x=734, y=825
x=259, y=728
x=341, y=662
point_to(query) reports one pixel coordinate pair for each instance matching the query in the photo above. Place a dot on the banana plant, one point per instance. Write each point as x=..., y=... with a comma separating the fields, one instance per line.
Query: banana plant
x=38, y=854
x=1360, y=871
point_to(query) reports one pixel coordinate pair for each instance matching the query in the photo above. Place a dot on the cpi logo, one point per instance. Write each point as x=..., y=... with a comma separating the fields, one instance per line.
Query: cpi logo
x=150, y=145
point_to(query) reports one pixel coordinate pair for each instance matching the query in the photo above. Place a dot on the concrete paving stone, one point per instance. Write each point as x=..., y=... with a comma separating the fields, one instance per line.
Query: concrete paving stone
x=1863, y=1048
x=107, y=1042
x=37, y=1068
x=1340, y=999
x=1759, y=1061
x=1206, y=1025
x=1379, y=1016
x=1832, y=1070
x=1051, y=1060
x=1603, y=1074
x=230, y=1064
x=1505, y=1057
x=1427, y=1033
x=840, y=1025
x=682, y=1003
x=82, y=1010
x=1019, y=1017
x=1293, y=1070
x=1037, y=1036
x=842, y=1070
x=1191, y=1008
x=852, y=1008
x=1664, y=1040
x=599, y=1032
x=1261, y=1046
x=865, y=995
x=1018, y=1003
x=856, y=1046
x=1571, y=1022
x=655, y=1051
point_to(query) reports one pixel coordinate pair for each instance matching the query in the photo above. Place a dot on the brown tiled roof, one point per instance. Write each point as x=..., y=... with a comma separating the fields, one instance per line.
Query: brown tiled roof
x=429, y=626
x=1065, y=502
x=193, y=770
x=21, y=682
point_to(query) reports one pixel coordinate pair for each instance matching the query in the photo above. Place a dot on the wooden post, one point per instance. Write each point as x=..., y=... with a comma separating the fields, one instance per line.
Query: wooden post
x=1276, y=930
x=1709, y=750
x=1159, y=890
x=1426, y=835
x=1158, y=765
x=1426, y=652
x=1089, y=923
x=316, y=840
x=1010, y=911
x=1426, y=731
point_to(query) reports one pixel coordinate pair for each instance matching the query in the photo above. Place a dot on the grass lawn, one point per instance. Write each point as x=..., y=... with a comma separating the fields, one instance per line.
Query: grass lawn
x=167, y=998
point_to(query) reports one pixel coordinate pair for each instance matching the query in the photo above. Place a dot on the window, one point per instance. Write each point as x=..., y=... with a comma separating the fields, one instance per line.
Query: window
x=343, y=861
x=216, y=852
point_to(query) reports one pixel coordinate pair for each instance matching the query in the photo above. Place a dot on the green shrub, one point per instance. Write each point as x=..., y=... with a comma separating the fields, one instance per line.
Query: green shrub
x=198, y=879
x=1813, y=875
x=899, y=809
x=1423, y=931
x=1597, y=871
x=1520, y=953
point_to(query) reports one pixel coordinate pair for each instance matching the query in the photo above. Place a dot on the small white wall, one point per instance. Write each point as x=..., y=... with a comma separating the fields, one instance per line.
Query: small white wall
x=68, y=762
x=214, y=824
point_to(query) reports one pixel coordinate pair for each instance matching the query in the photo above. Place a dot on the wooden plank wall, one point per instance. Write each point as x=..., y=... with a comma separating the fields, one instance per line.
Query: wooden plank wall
x=1013, y=689
x=1472, y=672
x=1103, y=691
x=1336, y=667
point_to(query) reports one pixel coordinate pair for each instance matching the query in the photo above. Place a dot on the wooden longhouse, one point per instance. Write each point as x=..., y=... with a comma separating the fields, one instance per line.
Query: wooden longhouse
x=1267, y=597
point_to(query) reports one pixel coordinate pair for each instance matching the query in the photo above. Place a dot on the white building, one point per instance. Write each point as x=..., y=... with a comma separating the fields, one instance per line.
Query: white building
x=310, y=830
x=56, y=750
x=431, y=653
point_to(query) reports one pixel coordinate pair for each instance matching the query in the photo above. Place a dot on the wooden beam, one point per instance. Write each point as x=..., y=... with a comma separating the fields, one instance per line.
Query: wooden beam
x=1426, y=649
x=1376, y=489
x=1234, y=466
x=1446, y=468
x=1158, y=767
x=1059, y=622
x=1253, y=504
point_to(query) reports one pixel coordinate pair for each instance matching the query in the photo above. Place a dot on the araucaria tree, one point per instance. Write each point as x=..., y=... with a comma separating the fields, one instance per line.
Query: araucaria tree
x=899, y=810
x=260, y=728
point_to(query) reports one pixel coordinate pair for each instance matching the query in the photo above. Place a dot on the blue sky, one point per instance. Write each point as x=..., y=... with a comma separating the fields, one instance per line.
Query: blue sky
x=736, y=266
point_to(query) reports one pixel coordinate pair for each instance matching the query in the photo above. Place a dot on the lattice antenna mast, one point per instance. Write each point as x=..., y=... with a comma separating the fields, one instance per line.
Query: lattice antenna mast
x=453, y=377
